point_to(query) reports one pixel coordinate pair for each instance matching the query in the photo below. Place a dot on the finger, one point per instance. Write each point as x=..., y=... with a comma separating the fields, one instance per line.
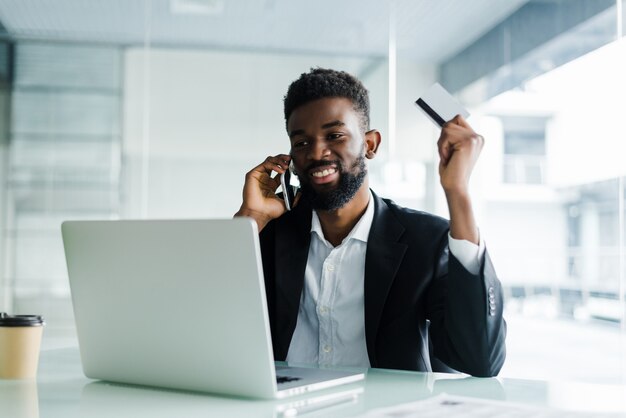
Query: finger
x=265, y=181
x=274, y=182
x=453, y=127
x=443, y=147
x=440, y=150
x=282, y=159
x=276, y=161
x=277, y=164
x=459, y=120
x=457, y=134
x=446, y=154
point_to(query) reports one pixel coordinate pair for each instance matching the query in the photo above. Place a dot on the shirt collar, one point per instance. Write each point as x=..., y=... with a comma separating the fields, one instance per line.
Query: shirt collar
x=360, y=231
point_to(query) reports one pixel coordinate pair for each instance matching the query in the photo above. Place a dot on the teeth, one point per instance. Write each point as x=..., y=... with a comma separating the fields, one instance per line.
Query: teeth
x=323, y=173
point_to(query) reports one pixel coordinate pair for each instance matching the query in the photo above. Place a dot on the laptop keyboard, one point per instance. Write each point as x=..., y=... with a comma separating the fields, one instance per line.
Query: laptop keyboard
x=286, y=379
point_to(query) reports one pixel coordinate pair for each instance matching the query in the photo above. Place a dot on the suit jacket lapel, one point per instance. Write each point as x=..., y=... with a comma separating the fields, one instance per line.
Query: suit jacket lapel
x=382, y=260
x=293, y=235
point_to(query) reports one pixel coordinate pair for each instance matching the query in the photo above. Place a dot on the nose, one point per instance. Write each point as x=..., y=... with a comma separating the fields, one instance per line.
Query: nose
x=318, y=151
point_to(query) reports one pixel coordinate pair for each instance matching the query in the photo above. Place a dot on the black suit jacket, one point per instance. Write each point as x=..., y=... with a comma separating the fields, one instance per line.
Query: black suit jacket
x=410, y=280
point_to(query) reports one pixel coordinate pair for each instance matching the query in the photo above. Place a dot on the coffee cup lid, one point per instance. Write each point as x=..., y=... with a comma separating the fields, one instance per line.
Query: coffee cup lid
x=7, y=320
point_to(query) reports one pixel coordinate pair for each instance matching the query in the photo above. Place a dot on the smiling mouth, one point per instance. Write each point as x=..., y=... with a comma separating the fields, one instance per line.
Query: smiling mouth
x=323, y=173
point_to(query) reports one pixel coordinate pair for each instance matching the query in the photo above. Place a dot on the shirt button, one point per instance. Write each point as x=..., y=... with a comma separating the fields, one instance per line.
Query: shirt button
x=323, y=310
x=330, y=267
x=327, y=349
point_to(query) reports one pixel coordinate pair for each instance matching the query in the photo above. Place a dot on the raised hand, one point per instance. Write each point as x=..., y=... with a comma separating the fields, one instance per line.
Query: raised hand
x=260, y=201
x=459, y=148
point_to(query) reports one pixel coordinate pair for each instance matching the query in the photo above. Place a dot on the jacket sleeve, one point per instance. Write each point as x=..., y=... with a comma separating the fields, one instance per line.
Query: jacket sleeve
x=465, y=310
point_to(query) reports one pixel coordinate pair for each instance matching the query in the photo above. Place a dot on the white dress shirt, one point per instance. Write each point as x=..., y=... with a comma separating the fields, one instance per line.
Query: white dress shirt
x=330, y=329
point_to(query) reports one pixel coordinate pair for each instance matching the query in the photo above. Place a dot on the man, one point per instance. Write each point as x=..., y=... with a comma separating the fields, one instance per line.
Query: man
x=353, y=279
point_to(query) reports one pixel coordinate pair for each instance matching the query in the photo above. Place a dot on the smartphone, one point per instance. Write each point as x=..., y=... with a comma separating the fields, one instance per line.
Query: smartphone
x=288, y=190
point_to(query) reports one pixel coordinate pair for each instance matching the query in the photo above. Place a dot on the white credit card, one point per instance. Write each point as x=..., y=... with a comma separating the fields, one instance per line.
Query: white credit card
x=439, y=105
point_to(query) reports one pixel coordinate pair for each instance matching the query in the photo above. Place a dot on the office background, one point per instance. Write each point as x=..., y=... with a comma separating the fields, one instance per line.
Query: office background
x=156, y=109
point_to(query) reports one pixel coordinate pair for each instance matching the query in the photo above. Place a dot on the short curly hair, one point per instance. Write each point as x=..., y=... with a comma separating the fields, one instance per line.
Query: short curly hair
x=320, y=83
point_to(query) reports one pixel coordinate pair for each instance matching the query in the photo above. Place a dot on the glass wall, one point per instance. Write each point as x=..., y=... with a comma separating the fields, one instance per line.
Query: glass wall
x=157, y=109
x=64, y=163
x=552, y=187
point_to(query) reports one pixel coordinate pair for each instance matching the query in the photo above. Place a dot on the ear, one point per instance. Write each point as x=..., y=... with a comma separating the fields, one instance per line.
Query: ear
x=372, y=142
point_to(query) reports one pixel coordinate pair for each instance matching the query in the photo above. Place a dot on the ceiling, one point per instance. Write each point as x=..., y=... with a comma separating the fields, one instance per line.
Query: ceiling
x=426, y=30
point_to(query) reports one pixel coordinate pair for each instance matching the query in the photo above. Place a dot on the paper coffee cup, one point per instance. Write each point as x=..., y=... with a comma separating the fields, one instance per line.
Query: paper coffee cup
x=20, y=340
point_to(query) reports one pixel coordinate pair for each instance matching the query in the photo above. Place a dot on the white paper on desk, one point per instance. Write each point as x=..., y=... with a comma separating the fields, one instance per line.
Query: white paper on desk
x=457, y=406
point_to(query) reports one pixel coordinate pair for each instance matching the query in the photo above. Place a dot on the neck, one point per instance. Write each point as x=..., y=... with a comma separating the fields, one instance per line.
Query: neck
x=337, y=224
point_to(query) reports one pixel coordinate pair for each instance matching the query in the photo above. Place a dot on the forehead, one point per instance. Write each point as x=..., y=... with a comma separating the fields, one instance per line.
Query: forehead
x=318, y=112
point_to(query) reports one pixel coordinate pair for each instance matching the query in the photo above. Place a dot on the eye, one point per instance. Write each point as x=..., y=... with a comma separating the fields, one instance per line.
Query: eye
x=300, y=143
x=335, y=135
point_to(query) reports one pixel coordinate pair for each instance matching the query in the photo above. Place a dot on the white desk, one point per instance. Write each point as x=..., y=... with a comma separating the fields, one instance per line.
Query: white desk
x=61, y=390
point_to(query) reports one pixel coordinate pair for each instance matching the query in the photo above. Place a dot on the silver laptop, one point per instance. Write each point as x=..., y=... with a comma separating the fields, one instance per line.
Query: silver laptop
x=178, y=304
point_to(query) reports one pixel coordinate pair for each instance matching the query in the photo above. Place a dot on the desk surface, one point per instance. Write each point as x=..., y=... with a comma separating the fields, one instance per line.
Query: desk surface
x=62, y=390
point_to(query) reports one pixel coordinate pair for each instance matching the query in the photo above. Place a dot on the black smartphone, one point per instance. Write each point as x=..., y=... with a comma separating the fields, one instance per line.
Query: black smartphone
x=288, y=190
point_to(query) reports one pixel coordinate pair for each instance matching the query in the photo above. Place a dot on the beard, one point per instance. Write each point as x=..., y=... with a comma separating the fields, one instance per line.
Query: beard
x=336, y=198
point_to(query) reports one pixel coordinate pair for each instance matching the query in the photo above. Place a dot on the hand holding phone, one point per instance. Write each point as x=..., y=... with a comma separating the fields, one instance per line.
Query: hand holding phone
x=259, y=191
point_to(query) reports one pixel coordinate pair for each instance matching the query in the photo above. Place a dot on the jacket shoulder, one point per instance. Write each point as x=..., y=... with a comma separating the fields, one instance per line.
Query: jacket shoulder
x=416, y=220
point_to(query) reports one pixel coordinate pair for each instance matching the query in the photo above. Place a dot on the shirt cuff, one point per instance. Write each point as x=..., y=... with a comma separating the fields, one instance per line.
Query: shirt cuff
x=468, y=253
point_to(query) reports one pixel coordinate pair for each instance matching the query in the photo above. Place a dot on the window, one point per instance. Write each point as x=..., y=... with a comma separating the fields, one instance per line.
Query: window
x=524, y=160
